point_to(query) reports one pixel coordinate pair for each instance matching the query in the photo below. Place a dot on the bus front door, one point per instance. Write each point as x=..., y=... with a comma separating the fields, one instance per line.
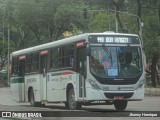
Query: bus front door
x=43, y=77
x=81, y=69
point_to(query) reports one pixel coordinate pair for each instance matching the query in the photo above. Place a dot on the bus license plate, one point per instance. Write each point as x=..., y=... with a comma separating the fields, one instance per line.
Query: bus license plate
x=119, y=97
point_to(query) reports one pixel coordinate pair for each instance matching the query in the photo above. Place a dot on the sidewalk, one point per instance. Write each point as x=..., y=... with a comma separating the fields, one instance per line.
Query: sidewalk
x=152, y=91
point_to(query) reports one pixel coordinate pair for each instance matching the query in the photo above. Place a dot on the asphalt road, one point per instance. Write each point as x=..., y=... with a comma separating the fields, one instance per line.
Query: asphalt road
x=151, y=104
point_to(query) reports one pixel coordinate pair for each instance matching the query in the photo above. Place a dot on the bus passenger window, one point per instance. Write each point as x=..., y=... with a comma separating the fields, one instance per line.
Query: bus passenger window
x=15, y=66
x=35, y=62
x=55, y=58
x=28, y=64
x=67, y=56
x=21, y=68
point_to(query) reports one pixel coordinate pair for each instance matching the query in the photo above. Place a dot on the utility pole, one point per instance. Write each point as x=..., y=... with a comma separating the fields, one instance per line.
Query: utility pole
x=139, y=20
x=116, y=21
x=8, y=53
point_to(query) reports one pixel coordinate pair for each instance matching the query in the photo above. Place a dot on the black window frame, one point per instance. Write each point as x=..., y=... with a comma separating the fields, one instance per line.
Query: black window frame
x=56, y=59
x=59, y=59
x=68, y=56
x=15, y=66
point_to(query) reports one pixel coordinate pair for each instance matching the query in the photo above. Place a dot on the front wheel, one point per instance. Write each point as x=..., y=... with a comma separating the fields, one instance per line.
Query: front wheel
x=71, y=103
x=120, y=104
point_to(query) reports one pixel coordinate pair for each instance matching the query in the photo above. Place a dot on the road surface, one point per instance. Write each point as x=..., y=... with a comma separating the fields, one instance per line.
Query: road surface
x=151, y=104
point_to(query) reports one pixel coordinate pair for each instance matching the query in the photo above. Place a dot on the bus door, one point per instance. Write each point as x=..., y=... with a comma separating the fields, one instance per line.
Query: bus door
x=81, y=69
x=43, y=74
x=21, y=75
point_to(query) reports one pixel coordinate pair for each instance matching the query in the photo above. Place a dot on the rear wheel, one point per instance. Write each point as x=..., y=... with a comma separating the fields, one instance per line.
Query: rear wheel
x=71, y=103
x=32, y=100
x=120, y=104
x=66, y=105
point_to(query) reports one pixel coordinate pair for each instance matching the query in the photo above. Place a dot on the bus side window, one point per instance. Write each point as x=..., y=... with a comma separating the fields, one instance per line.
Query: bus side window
x=28, y=64
x=15, y=66
x=35, y=62
x=55, y=58
x=21, y=68
x=67, y=56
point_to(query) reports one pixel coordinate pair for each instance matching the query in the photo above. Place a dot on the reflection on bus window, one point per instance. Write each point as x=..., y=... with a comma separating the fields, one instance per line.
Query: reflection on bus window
x=129, y=61
x=115, y=61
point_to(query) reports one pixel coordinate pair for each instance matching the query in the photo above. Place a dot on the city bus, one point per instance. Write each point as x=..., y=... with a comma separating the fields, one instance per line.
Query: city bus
x=87, y=69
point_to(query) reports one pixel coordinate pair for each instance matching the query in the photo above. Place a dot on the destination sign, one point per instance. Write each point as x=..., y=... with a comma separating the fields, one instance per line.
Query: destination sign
x=114, y=39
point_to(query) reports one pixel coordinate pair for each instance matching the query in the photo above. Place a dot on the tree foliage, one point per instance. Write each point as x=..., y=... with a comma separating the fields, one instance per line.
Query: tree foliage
x=34, y=22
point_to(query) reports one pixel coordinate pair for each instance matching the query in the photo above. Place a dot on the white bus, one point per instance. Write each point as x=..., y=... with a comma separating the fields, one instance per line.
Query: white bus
x=88, y=69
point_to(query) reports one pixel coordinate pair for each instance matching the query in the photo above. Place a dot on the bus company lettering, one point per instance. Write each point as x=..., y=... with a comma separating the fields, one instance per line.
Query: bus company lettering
x=55, y=79
x=63, y=78
x=31, y=80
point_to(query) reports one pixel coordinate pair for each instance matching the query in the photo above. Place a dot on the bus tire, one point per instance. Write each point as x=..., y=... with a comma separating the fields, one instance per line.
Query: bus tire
x=120, y=104
x=71, y=103
x=32, y=100
x=66, y=105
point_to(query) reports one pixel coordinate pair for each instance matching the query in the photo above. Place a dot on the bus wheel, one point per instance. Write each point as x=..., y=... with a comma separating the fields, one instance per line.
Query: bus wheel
x=66, y=105
x=120, y=104
x=72, y=104
x=32, y=100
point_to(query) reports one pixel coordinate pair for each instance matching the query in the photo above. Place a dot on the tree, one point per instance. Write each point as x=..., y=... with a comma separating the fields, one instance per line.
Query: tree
x=102, y=22
x=151, y=35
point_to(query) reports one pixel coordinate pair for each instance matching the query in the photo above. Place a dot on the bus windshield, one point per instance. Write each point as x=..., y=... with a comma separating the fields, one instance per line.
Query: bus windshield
x=116, y=62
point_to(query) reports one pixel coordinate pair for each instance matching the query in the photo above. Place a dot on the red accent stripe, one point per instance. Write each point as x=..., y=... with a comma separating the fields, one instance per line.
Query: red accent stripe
x=66, y=73
x=80, y=44
x=22, y=57
x=44, y=52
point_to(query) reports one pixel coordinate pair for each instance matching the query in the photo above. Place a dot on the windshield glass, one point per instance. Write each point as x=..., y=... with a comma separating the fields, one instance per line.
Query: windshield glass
x=115, y=62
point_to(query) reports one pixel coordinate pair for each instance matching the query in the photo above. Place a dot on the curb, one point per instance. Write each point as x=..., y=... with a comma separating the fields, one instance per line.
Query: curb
x=152, y=91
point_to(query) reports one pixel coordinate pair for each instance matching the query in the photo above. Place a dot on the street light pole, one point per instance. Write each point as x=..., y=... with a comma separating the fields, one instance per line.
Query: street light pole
x=139, y=19
x=116, y=20
x=8, y=53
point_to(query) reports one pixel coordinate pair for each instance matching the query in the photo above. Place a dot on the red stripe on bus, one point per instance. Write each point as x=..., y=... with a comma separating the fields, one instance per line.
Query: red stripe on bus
x=66, y=73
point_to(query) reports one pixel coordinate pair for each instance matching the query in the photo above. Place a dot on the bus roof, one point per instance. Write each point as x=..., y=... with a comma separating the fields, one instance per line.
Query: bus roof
x=63, y=42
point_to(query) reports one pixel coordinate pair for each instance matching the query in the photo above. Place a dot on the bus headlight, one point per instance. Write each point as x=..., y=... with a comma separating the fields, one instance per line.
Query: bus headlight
x=94, y=85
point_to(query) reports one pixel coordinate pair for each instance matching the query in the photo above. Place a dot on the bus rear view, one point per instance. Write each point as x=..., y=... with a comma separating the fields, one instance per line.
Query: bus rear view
x=115, y=72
